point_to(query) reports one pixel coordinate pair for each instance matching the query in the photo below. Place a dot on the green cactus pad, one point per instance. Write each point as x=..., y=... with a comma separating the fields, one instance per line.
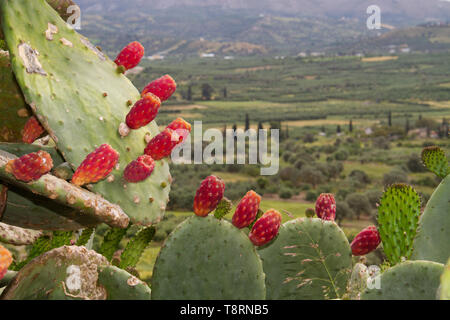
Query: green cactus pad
x=310, y=259
x=65, y=273
x=435, y=160
x=398, y=218
x=14, y=112
x=120, y=285
x=17, y=236
x=207, y=259
x=80, y=99
x=444, y=293
x=27, y=210
x=409, y=280
x=432, y=241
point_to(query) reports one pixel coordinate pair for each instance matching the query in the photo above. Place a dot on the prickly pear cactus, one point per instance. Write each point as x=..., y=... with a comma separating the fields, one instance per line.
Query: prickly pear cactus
x=80, y=99
x=207, y=259
x=433, y=237
x=435, y=160
x=17, y=236
x=310, y=259
x=398, y=217
x=14, y=112
x=65, y=273
x=409, y=280
x=120, y=285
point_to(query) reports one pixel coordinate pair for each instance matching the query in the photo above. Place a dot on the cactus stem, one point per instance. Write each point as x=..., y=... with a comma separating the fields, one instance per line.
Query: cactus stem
x=81, y=199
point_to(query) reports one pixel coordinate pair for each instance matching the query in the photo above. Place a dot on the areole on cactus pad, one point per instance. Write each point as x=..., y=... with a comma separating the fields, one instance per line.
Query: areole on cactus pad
x=67, y=70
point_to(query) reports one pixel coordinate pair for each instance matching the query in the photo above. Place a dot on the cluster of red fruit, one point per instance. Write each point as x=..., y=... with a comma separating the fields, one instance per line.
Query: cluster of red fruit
x=99, y=164
x=263, y=231
x=365, y=242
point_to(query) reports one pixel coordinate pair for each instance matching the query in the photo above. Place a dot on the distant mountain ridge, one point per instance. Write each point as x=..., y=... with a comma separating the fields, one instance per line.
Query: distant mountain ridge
x=232, y=27
x=393, y=9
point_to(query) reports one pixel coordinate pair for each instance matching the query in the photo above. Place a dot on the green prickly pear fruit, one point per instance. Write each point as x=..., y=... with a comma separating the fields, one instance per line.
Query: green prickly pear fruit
x=223, y=208
x=310, y=213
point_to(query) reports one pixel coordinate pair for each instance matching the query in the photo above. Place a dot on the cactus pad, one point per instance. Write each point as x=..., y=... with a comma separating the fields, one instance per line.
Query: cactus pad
x=310, y=259
x=65, y=273
x=14, y=112
x=17, y=236
x=80, y=99
x=120, y=285
x=207, y=259
x=432, y=241
x=410, y=280
x=435, y=160
x=398, y=217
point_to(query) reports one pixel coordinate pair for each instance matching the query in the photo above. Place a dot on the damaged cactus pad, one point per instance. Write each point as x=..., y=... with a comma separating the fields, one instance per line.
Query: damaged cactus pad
x=80, y=99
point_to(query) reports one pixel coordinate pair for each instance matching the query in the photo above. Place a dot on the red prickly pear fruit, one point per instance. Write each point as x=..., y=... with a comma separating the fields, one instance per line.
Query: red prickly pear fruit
x=5, y=261
x=97, y=165
x=162, y=145
x=182, y=127
x=366, y=241
x=143, y=112
x=163, y=87
x=30, y=167
x=32, y=130
x=326, y=207
x=208, y=195
x=246, y=210
x=265, y=228
x=139, y=169
x=130, y=56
